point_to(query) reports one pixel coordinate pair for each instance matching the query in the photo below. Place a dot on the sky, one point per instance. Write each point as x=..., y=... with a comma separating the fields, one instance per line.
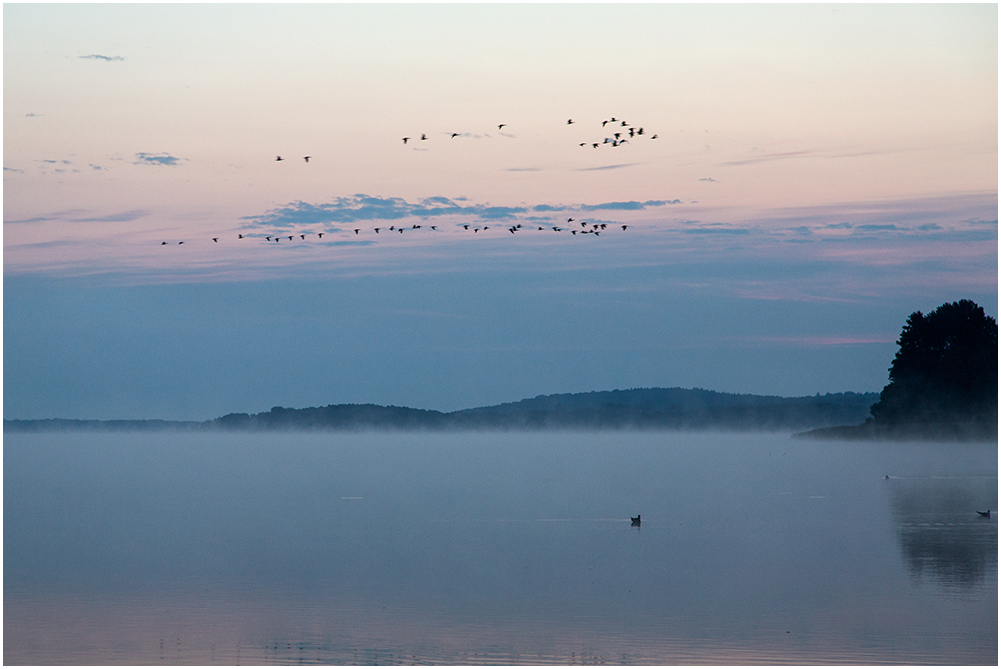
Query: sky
x=794, y=181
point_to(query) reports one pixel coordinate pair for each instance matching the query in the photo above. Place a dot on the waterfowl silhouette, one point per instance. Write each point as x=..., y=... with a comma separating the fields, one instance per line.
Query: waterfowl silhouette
x=163, y=243
x=320, y=235
x=279, y=158
x=423, y=136
x=405, y=139
x=501, y=126
x=569, y=121
x=635, y=521
x=239, y=236
x=985, y=514
x=454, y=135
x=306, y=158
x=215, y=239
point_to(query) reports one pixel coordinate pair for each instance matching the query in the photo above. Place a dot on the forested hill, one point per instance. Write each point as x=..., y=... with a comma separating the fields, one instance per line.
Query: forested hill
x=645, y=408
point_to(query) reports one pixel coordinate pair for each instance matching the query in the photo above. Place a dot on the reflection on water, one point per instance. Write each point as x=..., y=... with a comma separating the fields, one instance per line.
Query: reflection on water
x=941, y=535
x=496, y=549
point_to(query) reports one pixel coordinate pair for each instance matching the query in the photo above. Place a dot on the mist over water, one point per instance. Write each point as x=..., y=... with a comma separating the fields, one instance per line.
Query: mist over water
x=496, y=547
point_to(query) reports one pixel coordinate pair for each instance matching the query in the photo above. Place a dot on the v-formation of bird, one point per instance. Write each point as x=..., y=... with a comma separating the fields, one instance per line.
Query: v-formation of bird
x=617, y=139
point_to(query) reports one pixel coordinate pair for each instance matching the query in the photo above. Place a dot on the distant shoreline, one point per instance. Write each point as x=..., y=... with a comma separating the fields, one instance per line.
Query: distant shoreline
x=642, y=409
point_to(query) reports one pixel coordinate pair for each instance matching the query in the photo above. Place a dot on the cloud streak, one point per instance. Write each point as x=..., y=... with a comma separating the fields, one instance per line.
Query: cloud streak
x=161, y=159
x=98, y=56
x=362, y=207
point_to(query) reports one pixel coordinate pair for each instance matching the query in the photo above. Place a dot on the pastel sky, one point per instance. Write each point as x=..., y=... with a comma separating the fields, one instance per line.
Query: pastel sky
x=806, y=177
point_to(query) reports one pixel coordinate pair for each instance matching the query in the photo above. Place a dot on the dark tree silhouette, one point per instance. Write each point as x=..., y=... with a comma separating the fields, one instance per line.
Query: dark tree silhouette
x=946, y=369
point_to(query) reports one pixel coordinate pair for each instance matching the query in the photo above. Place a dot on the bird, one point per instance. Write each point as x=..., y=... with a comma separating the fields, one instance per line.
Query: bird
x=279, y=158
x=434, y=227
x=377, y=231
x=569, y=121
x=569, y=220
x=423, y=136
x=405, y=139
x=624, y=227
x=303, y=236
x=163, y=243
x=240, y=236
x=985, y=514
x=356, y=230
x=179, y=243
x=635, y=521
x=653, y=137
x=306, y=158
x=454, y=135
x=215, y=239
x=290, y=237
x=320, y=235
x=268, y=238
x=501, y=126
x=466, y=227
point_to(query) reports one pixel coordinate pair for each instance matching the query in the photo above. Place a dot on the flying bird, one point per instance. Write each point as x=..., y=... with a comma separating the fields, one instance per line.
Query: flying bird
x=405, y=139
x=985, y=514
x=501, y=126
x=635, y=521
x=377, y=231
x=454, y=135
x=569, y=121
x=215, y=239
x=240, y=236
x=423, y=136
x=303, y=236
x=306, y=158
x=279, y=158
x=320, y=235
x=356, y=230
x=624, y=227
x=163, y=243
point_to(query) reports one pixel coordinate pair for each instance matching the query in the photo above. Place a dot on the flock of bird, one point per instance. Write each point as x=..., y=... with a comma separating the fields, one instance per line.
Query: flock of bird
x=586, y=229
x=623, y=133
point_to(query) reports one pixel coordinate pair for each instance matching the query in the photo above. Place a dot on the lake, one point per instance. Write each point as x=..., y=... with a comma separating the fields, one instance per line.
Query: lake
x=496, y=548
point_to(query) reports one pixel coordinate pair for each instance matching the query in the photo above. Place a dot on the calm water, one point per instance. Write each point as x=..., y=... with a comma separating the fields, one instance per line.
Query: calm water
x=496, y=548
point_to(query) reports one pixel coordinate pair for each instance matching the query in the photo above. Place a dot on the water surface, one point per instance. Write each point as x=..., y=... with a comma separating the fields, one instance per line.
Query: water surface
x=392, y=548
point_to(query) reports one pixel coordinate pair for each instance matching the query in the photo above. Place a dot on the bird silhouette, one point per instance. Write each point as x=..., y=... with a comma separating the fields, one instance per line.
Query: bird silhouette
x=320, y=235
x=635, y=521
x=501, y=126
x=279, y=158
x=179, y=243
x=405, y=139
x=306, y=158
x=454, y=135
x=624, y=227
x=423, y=136
x=215, y=239
x=163, y=243
x=985, y=514
x=569, y=121
x=303, y=236
x=240, y=236
x=356, y=230
x=377, y=231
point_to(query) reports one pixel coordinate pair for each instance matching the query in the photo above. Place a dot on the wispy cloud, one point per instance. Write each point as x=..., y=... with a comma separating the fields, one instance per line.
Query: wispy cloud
x=156, y=159
x=709, y=179
x=768, y=157
x=13, y=169
x=98, y=56
x=606, y=167
x=33, y=115
x=366, y=208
